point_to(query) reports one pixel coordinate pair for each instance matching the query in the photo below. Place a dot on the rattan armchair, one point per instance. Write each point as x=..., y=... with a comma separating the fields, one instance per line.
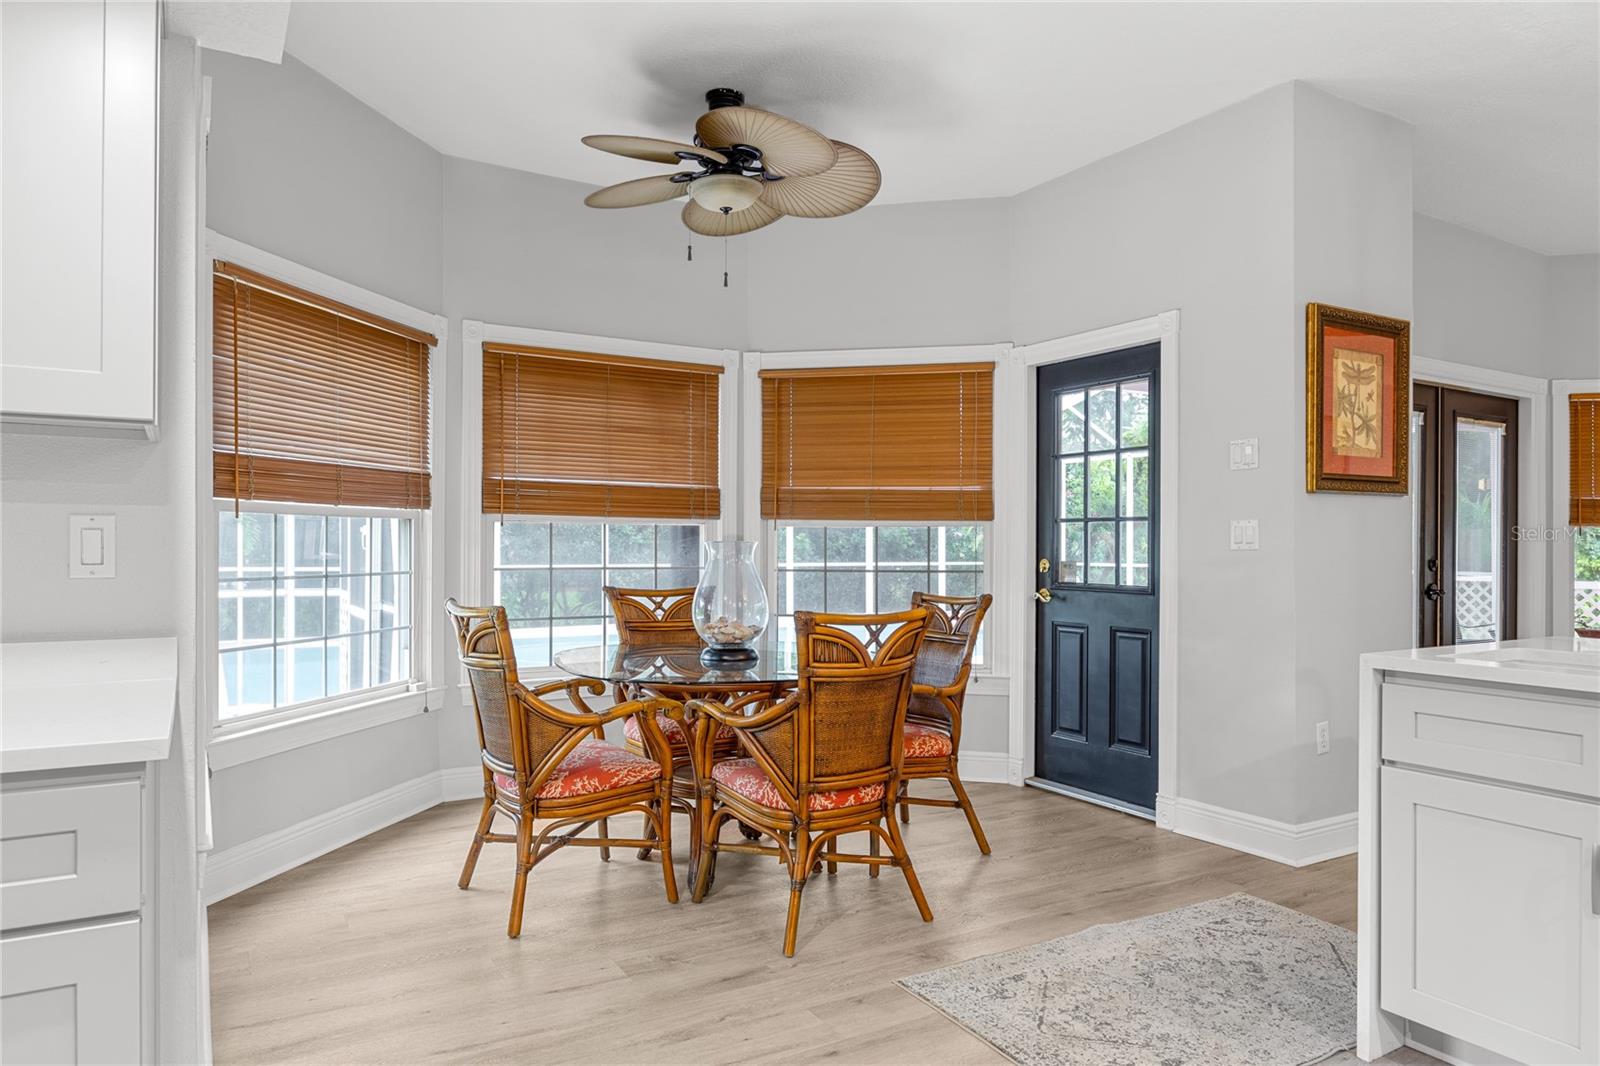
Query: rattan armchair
x=933, y=718
x=546, y=764
x=822, y=763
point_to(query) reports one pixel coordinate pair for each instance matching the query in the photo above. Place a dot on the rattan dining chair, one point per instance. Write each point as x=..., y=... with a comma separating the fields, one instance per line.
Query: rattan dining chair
x=933, y=718
x=541, y=763
x=823, y=762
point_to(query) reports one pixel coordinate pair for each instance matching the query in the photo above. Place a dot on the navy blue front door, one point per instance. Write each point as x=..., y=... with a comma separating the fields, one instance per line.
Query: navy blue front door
x=1099, y=578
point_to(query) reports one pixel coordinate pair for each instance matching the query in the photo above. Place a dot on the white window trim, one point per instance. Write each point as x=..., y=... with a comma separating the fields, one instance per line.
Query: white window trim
x=995, y=678
x=477, y=563
x=1563, y=565
x=268, y=733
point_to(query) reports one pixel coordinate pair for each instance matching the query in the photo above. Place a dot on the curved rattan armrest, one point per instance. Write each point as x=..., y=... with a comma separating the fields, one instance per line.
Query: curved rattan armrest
x=726, y=715
x=533, y=701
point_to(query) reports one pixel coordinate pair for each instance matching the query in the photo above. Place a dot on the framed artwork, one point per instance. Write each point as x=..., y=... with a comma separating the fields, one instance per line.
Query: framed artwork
x=1358, y=401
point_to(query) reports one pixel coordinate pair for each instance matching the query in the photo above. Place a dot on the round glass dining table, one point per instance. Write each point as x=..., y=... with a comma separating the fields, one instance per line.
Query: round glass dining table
x=677, y=671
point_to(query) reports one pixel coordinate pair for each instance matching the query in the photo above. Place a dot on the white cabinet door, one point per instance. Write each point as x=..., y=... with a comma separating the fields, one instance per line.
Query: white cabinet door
x=71, y=995
x=1490, y=925
x=78, y=106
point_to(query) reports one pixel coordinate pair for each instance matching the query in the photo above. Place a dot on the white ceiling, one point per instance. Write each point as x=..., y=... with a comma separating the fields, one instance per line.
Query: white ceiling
x=967, y=100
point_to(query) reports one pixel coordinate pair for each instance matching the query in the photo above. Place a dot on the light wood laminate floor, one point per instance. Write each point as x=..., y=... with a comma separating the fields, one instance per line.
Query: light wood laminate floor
x=371, y=953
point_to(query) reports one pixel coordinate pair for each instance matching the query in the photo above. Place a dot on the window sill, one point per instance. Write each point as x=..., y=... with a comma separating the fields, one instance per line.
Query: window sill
x=988, y=685
x=235, y=745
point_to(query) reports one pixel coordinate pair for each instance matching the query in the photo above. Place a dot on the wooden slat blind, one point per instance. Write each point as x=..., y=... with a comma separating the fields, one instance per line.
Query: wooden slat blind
x=313, y=401
x=598, y=436
x=1583, y=420
x=879, y=444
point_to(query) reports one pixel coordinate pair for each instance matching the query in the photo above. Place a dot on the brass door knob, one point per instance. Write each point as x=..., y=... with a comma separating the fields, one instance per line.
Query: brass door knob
x=1042, y=595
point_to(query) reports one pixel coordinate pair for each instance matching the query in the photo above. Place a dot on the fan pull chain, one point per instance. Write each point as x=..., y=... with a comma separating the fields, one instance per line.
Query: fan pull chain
x=691, y=251
x=724, y=262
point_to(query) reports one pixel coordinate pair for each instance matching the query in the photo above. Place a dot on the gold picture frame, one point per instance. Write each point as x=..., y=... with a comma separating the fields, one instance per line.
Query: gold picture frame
x=1358, y=401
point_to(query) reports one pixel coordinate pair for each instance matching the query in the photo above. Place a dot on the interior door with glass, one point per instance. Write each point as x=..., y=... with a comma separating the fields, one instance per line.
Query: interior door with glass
x=1098, y=576
x=1464, y=507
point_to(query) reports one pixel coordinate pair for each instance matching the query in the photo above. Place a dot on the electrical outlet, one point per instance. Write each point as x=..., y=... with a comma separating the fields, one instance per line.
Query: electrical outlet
x=1322, y=738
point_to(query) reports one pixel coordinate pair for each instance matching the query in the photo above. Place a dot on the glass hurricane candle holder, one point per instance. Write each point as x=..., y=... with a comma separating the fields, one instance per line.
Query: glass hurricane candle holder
x=730, y=603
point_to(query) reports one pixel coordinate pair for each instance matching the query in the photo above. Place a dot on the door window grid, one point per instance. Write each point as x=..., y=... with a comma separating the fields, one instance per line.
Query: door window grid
x=1102, y=458
x=872, y=569
x=1480, y=445
x=550, y=576
x=310, y=606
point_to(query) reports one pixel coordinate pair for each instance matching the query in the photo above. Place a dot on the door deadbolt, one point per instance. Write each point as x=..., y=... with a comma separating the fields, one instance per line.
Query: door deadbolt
x=1044, y=566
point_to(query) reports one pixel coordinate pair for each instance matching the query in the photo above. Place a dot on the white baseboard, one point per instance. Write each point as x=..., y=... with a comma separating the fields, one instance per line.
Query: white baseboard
x=461, y=783
x=992, y=766
x=250, y=863
x=1292, y=845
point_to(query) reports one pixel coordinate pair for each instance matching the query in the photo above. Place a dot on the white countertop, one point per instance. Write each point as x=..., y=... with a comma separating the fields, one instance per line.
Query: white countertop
x=1568, y=663
x=73, y=703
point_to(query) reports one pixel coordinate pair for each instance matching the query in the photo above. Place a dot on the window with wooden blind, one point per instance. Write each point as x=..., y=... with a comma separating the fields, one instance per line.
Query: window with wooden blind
x=1583, y=422
x=910, y=443
x=598, y=436
x=314, y=401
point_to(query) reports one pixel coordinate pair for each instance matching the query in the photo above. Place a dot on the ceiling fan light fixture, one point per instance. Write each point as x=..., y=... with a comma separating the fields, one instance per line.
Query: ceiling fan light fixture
x=725, y=193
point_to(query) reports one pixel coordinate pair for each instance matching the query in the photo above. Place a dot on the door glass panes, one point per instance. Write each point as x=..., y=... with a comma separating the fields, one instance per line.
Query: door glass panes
x=1103, y=485
x=1479, y=483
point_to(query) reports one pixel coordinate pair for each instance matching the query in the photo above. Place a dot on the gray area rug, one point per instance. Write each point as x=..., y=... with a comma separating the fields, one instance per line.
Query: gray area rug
x=1233, y=981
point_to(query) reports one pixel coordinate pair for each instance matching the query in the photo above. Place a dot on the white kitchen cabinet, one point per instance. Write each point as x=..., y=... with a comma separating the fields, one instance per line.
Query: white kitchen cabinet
x=1479, y=873
x=78, y=199
x=71, y=995
x=1489, y=915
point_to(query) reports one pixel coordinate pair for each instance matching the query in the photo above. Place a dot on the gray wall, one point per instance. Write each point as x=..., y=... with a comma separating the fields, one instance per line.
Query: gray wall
x=1352, y=552
x=300, y=168
x=1202, y=220
x=1572, y=317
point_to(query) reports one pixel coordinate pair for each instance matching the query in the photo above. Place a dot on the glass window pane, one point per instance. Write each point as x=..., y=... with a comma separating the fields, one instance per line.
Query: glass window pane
x=632, y=579
x=847, y=544
x=631, y=544
x=576, y=634
x=345, y=663
x=389, y=544
x=1135, y=412
x=1102, y=553
x=1479, y=509
x=300, y=544
x=300, y=672
x=1135, y=485
x=346, y=604
x=576, y=544
x=1586, y=578
x=678, y=546
x=677, y=579
x=523, y=593
x=1071, y=486
x=531, y=643
x=524, y=543
x=257, y=544
x=227, y=543
x=391, y=656
x=799, y=590
x=847, y=591
x=299, y=607
x=391, y=600
x=903, y=544
x=962, y=583
x=1102, y=485
x=1136, y=554
x=1102, y=417
x=1069, y=409
x=254, y=600
x=896, y=586
x=1069, y=557
x=576, y=594
x=799, y=544
x=244, y=681
x=963, y=544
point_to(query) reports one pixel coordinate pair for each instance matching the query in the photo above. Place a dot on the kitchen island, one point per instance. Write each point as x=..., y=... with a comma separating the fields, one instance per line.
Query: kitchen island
x=1479, y=869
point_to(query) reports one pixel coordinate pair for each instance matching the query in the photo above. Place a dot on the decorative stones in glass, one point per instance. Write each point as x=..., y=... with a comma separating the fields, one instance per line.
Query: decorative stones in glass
x=730, y=603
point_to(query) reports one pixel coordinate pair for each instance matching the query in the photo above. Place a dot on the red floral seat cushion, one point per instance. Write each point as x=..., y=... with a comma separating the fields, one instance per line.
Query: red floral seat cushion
x=746, y=777
x=925, y=742
x=593, y=766
x=671, y=727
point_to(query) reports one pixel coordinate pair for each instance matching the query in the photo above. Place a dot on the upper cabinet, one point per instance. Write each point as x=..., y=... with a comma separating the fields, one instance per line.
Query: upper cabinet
x=78, y=118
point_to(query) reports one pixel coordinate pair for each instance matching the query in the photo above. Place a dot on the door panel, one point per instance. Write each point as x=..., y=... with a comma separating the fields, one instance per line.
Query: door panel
x=1098, y=574
x=1465, y=511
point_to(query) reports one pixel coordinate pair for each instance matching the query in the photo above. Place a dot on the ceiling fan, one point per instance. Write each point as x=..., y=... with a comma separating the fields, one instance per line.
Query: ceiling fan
x=755, y=167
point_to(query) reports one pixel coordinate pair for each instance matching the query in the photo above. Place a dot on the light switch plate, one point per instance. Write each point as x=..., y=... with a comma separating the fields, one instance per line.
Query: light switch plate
x=1244, y=535
x=92, y=545
x=1242, y=454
